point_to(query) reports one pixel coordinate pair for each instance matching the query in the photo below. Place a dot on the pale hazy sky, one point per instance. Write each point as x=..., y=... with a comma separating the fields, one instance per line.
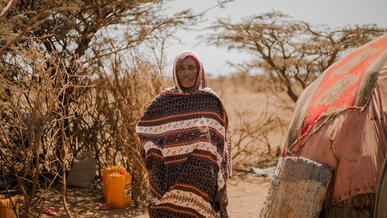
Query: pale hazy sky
x=334, y=13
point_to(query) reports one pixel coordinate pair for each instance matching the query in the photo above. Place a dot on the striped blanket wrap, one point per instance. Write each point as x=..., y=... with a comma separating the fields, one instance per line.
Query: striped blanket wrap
x=187, y=152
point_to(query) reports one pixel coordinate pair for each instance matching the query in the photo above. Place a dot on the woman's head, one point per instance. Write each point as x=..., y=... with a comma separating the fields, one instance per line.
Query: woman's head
x=188, y=72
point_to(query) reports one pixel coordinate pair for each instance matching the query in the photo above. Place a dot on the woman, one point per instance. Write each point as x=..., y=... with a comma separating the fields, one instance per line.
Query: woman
x=185, y=137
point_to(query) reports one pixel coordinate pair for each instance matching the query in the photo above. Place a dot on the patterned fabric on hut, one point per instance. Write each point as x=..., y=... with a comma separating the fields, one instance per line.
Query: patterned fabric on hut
x=341, y=120
x=187, y=148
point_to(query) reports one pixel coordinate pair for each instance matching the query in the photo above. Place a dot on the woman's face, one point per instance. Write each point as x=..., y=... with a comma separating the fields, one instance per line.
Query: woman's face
x=187, y=73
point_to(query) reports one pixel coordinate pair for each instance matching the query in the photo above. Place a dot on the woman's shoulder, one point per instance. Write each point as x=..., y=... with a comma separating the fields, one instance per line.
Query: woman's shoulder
x=164, y=94
x=164, y=97
x=210, y=93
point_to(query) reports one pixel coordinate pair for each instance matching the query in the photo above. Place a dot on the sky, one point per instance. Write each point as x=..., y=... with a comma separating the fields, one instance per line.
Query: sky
x=334, y=13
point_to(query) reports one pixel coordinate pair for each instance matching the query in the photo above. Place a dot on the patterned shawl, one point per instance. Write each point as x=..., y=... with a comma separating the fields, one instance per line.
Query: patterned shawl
x=187, y=148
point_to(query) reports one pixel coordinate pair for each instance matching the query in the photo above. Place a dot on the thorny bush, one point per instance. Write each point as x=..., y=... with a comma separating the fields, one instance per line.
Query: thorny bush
x=47, y=119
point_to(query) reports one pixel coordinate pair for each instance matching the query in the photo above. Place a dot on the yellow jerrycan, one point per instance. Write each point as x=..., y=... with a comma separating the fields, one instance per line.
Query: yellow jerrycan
x=118, y=189
x=6, y=207
x=107, y=171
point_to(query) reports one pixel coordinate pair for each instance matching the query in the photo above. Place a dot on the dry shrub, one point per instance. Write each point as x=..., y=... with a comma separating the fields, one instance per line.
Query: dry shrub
x=50, y=112
x=31, y=125
x=258, y=135
x=259, y=112
x=107, y=112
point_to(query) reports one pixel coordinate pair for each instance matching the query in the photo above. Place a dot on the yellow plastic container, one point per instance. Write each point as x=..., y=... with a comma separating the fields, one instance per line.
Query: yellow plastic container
x=118, y=190
x=107, y=171
x=6, y=207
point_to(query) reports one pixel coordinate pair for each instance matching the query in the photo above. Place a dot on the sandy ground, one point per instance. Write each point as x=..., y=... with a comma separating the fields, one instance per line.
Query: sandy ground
x=246, y=195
